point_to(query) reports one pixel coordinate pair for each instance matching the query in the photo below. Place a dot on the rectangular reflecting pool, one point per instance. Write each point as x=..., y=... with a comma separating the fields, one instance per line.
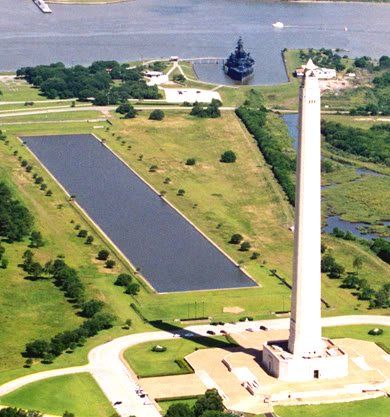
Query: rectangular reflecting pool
x=169, y=252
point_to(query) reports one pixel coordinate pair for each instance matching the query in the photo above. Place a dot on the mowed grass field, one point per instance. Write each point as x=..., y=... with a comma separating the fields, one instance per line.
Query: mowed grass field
x=378, y=407
x=17, y=90
x=32, y=310
x=78, y=394
x=223, y=199
x=146, y=363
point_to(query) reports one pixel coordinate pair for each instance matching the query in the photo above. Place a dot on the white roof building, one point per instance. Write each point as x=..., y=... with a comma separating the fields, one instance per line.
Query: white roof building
x=155, y=77
x=322, y=73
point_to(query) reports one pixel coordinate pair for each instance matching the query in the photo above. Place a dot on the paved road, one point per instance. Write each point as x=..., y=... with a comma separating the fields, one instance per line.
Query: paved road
x=119, y=382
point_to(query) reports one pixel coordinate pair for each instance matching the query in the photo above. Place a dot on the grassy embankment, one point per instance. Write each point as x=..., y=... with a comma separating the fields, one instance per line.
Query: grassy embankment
x=30, y=310
x=78, y=394
x=147, y=363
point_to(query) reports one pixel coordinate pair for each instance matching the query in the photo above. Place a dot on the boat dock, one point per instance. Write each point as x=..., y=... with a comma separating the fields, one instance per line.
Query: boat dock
x=42, y=6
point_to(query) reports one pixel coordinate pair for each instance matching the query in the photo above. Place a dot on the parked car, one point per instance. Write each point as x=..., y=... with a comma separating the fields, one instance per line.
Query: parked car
x=210, y=332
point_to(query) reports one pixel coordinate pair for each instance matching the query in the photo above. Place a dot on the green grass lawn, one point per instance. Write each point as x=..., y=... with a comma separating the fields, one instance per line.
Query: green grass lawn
x=378, y=407
x=358, y=332
x=78, y=394
x=38, y=309
x=166, y=404
x=147, y=363
x=55, y=116
x=18, y=90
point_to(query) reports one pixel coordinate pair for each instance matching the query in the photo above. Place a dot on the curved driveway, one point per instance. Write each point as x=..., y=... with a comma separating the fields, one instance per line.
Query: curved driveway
x=118, y=381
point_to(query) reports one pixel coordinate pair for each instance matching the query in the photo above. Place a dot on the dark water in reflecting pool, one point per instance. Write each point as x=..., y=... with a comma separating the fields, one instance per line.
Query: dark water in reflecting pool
x=169, y=251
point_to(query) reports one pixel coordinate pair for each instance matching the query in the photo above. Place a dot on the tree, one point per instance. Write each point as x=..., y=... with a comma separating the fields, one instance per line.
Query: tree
x=179, y=410
x=236, y=239
x=133, y=288
x=110, y=263
x=357, y=262
x=35, y=270
x=123, y=108
x=91, y=307
x=156, y=115
x=103, y=255
x=82, y=233
x=181, y=192
x=37, y=349
x=245, y=246
x=89, y=240
x=351, y=281
x=36, y=240
x=131, y=113
x=336, y=271
x=228, y=157
x=327, y=262
x=4, y=263
x=211, y=400
x=123, y=280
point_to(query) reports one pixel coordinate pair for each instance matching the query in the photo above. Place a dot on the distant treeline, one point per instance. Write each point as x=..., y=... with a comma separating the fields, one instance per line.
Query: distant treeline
x=371, y=144
x=282, y=164
x=324, y=58
x=15, y=219
x=95, y=81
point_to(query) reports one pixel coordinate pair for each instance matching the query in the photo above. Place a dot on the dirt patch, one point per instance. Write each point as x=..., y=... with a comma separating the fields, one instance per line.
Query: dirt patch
x=233, y=310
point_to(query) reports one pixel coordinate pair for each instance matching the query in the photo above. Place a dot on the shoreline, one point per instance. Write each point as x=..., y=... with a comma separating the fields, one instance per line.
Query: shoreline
x=86, y=3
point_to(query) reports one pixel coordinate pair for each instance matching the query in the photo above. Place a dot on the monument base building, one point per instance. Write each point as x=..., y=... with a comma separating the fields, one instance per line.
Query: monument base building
x=280, y=363
x=306, y=355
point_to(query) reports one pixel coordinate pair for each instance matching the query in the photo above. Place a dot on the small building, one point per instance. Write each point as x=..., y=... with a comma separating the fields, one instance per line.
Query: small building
x=174, y=58
x=322, y=73
x=155, y=77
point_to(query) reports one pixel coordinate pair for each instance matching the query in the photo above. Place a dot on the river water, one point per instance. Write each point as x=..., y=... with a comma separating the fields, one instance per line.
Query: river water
x=166, y=248
x=188, y=28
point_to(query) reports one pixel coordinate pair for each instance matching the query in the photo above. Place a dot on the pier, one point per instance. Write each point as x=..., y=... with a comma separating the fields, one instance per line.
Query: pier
x=42, y=6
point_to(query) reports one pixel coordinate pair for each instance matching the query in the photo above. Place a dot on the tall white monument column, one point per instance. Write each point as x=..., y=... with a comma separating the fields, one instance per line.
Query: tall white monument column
x=305, y=323
x=305, y=355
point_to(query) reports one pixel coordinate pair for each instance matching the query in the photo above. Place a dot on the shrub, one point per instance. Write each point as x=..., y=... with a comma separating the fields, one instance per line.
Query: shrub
x=110, y=264
x=91, y=307
x=123, y=108
x=245, y=246
x=236, y=239
x=103, y=255
x=181, y=192
x=82, y=233
x=255, y=255
x=228, y=157
x=156, y=115
x=191, y=161
x=153, y=168
x=123, y=280
x=132, y=288
x=131, y=113
x=89, y=240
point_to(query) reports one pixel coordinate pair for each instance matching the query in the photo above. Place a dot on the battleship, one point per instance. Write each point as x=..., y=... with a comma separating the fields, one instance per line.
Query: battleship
x=240, y=65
